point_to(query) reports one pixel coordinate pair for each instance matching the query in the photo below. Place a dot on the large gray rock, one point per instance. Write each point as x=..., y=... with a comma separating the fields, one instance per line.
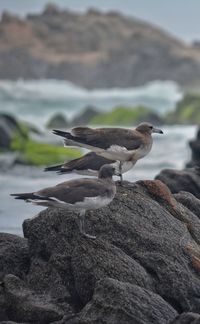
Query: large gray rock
x=146, y=239
x=184, y=180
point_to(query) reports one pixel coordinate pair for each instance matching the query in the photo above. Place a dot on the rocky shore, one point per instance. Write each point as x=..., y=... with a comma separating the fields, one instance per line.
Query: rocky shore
x=143, y=266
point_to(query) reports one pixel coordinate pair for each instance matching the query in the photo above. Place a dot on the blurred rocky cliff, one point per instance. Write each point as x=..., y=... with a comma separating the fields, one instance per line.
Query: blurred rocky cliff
x=93, y=50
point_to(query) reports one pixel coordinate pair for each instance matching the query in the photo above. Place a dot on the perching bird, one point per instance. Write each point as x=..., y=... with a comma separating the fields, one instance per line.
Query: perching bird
x=113, y=143
x=79, y=194
x=88, y=164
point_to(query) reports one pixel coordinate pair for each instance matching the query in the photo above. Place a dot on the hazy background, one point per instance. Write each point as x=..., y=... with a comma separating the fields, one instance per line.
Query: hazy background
x=61, y=69
x=178, y=17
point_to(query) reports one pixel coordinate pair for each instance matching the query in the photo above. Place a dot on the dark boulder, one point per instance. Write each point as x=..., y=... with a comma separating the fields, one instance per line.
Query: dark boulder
x=85, y=117
x=120, y=302
x=195, y=147
x=187, y=318
x=14, y=255
x=189, y=201
x=8, y=127
x=184, y=180
x=23, y=305
x=58, y=121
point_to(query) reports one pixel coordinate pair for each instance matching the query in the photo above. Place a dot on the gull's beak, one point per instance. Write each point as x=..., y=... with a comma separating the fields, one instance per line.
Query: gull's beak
x=157, y=130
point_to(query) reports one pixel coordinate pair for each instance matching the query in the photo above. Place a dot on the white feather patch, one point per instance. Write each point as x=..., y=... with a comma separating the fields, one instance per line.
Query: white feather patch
x=117, y=149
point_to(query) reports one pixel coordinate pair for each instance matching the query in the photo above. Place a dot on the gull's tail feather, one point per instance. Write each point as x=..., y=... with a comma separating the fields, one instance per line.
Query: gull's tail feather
x=69, y=140
x=76, y=133
x=54, y=168
x=59, y=169
x=24, y=196
x=62, y=133
x=79, y=136
x=32, y=197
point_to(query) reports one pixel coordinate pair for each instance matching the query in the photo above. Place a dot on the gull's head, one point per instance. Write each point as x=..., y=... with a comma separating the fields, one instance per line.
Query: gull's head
x=107, y=171
x=147, y=128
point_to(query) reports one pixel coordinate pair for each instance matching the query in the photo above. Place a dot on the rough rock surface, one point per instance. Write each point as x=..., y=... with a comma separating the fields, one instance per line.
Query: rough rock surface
x=94, y=50
x=142, y=268
x=23, y=305
x=183, y=180
x=133, y=302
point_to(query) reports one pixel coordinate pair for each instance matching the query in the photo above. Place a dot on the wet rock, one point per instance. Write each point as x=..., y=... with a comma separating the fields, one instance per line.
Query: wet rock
x=195, y=147
x=8, y=126
x=187, y=318
x=57, y=121
x=8, y=160
x=184, y=180
x=119, y=302
x=23, y=305
x=85, y=117
x=14, y=255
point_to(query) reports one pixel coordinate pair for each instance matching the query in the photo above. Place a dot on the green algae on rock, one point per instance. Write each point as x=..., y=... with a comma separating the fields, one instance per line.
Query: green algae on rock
x=126, y=116
x=187, y=111
x=36, y=153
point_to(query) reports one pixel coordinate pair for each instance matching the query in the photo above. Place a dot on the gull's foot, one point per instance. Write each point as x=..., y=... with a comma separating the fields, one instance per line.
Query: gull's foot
x=125, y=184
x=121, y=183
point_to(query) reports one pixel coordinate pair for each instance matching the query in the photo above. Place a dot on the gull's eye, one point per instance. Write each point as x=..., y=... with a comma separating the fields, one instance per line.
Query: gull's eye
x=151, y=127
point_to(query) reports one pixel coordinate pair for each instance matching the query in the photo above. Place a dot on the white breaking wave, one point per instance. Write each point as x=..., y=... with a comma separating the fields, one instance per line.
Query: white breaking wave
x=37, y=100
x=55, y=89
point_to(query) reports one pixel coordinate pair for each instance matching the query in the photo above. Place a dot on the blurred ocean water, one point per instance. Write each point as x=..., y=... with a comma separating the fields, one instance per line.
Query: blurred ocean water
x=36, y=101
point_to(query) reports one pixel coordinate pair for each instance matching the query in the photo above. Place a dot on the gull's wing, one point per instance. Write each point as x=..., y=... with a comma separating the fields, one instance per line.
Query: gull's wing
x=75, y=191
x=90, y=161
x=103, y=138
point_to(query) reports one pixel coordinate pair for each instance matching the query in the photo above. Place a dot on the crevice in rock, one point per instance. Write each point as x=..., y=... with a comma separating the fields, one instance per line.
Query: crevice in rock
x=151, y=272
x=174, y=303
x=75, y=300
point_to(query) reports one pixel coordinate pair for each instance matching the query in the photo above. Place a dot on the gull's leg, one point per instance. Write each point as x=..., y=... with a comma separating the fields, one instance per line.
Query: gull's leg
x=82, y=225
x=120, y=172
